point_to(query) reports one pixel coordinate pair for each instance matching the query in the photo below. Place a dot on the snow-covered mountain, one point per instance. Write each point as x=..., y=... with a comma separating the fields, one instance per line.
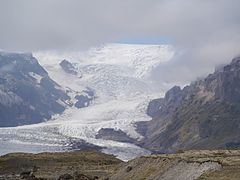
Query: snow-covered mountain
x=116, y=80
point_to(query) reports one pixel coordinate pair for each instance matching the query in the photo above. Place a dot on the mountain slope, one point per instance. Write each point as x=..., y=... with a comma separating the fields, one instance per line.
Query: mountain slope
x=108, y=87
x=203, y=115
x=27, y=94
x=188, y=165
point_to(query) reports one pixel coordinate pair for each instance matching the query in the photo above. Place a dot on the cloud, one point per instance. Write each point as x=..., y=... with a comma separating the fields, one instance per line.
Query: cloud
x=203, y=32
x=60, y=24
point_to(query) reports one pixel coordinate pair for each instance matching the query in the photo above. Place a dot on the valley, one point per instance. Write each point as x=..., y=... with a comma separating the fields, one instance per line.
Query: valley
x=107, y=87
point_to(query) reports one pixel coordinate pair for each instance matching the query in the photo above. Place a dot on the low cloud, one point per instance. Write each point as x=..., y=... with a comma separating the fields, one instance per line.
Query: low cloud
x=203, y=32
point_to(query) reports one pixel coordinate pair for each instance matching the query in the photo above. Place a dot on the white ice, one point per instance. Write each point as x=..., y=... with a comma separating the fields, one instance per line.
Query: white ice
x=119, y=74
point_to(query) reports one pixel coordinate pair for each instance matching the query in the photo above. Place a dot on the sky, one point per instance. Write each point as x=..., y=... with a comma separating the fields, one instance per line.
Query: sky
x=204, y=33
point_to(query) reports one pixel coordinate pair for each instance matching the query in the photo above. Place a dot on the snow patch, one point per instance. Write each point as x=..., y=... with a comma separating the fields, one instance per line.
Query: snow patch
x=37, y=77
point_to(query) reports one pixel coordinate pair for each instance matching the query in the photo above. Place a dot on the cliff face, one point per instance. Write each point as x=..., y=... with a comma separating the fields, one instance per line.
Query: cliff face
x=27, y=94
x=205, y=114
x=68, y=67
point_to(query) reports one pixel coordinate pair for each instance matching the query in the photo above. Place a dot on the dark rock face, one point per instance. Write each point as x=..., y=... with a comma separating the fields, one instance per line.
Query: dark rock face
x=84, y=99
x=68, y=67
x=75, y=176
x=27, y=94
x=129, y=168
x=166, y=105
x=115, y=135
x=74, y=144
x=28, y=175
x=65, y=177
x=154, y=106
x=205, y=114
x=82, y=177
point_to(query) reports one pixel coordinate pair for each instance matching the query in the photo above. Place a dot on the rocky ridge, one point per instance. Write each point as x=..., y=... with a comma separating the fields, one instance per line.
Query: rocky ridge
x=203, y=115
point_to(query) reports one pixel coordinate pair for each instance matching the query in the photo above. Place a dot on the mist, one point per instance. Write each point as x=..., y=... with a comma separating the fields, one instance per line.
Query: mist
x=204, y=33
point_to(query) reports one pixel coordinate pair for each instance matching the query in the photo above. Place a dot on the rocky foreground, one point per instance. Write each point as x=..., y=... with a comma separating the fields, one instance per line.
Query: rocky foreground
x=69, y=165
x=83, y=165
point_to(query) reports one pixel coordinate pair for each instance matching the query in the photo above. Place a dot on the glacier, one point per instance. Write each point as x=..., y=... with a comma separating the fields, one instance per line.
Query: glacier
x=120, y=77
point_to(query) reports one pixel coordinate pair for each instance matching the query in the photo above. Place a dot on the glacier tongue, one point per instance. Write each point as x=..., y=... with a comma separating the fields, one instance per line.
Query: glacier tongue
x=119, y=75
